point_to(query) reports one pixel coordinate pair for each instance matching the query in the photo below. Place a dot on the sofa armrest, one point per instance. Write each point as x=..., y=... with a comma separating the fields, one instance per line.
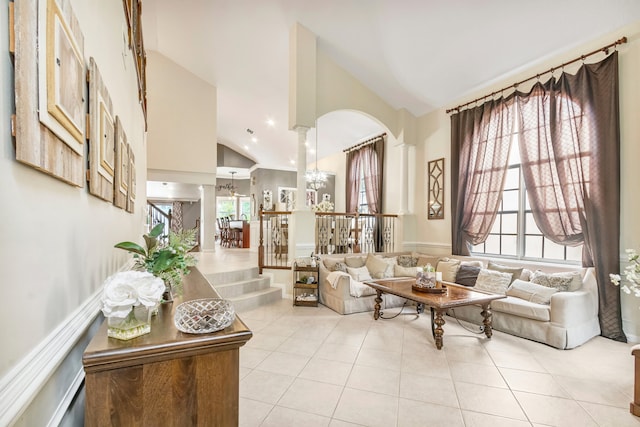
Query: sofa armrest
x=340, y=291
x=572, y=308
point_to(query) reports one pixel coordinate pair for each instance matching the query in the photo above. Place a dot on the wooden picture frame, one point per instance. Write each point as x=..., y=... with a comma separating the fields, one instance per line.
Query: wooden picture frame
x=312, y=197
x=435, y=203
x=102, y=137
x=121, y=190
x=37, y=145
x=61, y=74
x=131, y=190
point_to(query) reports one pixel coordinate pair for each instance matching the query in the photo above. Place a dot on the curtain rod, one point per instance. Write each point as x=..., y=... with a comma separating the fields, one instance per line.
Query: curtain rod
x=604, y=49
x=363, y=143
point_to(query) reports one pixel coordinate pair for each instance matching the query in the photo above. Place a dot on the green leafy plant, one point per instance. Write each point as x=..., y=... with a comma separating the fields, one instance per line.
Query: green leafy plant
x=169, y=261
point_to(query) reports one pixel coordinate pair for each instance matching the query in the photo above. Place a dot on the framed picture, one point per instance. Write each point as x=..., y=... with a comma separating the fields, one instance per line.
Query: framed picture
x=121, y=194
x=312, y=197
x=102, y=153
x=435, y=207
x=131, y=190
x=267, y=200
x=286, y=198
x=62, y=97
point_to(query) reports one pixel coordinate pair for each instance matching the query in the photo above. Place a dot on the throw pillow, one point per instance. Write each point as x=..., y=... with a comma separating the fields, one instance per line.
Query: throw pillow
x=531, y=292
x=493, y=281
x=354, y=261
x=424, y=259
x=516, y=272
x=526, y=275
x=569, y=281
x=449, y=268
x=400, y=271
x=360, y=274
x=330, y=263
x=472, y=263
x=467, y=275
x=340, y=266
x=376, y=266
x=407, y=261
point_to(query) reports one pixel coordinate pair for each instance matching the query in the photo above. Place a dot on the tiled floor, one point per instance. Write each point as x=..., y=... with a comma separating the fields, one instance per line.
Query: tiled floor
x=309, y=366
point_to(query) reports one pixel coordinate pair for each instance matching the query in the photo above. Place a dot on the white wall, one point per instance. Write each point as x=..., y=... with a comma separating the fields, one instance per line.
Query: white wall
x=182, y=119
x=57, y=240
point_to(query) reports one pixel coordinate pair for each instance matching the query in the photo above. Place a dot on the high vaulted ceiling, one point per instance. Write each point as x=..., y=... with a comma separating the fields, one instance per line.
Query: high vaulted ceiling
x=417, y=54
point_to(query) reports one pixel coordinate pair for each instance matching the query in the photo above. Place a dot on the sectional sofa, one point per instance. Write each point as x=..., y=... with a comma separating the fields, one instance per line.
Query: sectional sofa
x=555, y=304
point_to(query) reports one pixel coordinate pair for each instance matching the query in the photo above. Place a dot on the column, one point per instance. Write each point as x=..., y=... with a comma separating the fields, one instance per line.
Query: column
x=302, y=168
x=207, y=218
x=404, y=173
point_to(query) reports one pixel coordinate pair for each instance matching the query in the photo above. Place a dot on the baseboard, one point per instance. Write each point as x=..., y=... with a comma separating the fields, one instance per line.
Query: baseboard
x=427, y=247
x=633, y=339
x=21, y=385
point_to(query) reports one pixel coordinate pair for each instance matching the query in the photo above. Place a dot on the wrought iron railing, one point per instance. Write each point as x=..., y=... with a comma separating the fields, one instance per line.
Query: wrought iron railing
x=156, y=216
x=273, y=246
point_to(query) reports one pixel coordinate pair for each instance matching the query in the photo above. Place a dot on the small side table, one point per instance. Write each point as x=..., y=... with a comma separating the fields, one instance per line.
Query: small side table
x=305, y=285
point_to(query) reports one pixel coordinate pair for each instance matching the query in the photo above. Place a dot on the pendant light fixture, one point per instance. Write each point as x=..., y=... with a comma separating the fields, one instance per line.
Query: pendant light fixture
x=315, y=178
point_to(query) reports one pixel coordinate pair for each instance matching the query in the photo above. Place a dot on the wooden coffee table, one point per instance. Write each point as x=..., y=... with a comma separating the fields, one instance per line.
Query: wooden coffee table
x=455, y=296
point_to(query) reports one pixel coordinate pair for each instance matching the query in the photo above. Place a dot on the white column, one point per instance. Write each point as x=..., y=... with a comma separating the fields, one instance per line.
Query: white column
x=208, y=218
x=302, y=168
x=404, y=173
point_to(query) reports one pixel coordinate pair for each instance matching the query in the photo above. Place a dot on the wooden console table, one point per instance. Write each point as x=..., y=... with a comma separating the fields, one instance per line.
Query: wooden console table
x=166, y=378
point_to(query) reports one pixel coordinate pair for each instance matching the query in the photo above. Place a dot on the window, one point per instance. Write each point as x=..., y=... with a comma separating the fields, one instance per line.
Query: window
x=363, y=206
x=514, y=232
x=233, y=207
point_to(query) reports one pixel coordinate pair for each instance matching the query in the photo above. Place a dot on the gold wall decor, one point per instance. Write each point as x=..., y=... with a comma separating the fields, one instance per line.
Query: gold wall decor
x=131, y=199
x=102, y=153
x=435, y=207
x=50, y=146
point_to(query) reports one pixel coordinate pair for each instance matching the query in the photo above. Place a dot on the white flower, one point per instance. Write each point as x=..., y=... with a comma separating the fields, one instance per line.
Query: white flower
x=150, y=290
x=126, y=289
x=631, y=274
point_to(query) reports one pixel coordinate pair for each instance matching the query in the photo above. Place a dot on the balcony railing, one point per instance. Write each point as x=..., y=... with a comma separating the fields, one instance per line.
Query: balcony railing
x=334, y=233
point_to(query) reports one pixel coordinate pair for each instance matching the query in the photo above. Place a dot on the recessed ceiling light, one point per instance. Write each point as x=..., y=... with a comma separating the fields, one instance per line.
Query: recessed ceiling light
x=164, y=183
x=254, y=139
x=246, y=147
x=293, y=162
x=271, y=123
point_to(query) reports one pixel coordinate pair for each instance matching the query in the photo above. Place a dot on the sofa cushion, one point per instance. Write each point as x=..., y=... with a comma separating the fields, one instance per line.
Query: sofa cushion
x=449, y=268
x=522, y=308
x=355, y=261
x=330, y=263
x=531, y=292
x=472, y=263
x=400, y=271
x=569, y=281
x=376, y=266
x=424, y=259
x=407, y=261
x=467, y=275
x=360, y=274
x=516, y=272
x=493, y=281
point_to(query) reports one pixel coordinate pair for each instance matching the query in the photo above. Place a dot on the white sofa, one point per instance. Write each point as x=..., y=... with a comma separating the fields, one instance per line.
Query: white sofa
x=568, y=321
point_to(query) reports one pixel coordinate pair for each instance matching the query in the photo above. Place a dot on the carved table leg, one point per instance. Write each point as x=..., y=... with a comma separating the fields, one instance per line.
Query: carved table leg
x=486, y=313
x=438, y=332
x=376, y=311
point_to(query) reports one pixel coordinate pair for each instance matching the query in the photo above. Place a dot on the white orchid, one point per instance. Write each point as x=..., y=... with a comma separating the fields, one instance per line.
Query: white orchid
x=124, y=290
x=631, y=274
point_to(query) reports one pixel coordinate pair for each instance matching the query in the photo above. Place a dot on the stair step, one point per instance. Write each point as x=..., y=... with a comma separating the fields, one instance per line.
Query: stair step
x=232, y=289
x=233, y=276
x=255, y=299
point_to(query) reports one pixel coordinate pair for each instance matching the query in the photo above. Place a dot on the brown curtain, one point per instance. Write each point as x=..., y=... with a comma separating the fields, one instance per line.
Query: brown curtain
x=570, y=152
x=480, y=141
x=176, y=217
x=352, y=186
x=372, y=163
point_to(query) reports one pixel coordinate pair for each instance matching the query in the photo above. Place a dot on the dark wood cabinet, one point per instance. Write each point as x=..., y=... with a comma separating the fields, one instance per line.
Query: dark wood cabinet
x=305, y=290
x=166, y=377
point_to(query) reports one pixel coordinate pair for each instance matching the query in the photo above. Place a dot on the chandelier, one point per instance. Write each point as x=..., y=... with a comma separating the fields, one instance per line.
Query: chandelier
x=229, y=186
x=315, y=178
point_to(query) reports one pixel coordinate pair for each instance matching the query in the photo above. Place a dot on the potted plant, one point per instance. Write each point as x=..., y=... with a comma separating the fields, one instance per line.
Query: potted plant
x=167, y=260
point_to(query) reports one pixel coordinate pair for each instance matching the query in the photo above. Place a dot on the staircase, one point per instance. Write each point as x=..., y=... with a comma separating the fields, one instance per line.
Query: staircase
x=245, y=288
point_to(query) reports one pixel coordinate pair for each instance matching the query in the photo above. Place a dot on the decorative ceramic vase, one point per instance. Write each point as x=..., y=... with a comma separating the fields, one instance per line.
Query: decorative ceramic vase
x=426, y=279
x=136, y=323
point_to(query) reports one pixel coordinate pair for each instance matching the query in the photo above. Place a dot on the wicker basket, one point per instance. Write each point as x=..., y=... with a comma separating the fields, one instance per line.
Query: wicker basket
x=202, y=316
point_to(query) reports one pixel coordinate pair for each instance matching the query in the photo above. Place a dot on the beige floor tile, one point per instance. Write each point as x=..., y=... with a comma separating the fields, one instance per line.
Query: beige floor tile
x=338, y=352
x=533, y=382
x=285, y=417
x=351, y=337
x=520, y=361
x=327, y=371
x=603, y=392
x=367, y=408
x=312, y=396
x=264, y=386
x=244, y=372
x=390, y=341
x=377, y=380
x=554, y=411
x=488, y=400
x=252, y=412
x=284, y=363
x=298, y=346
x=474, y=354
x=609, y=416
x=339, y=423
x=477, y=419
x=379, y=359
x=428, y=389
x=412, y=413
x=252, y=357
x=265, y=341
x=317, y=332
x=426, y=363
x=476, y=374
